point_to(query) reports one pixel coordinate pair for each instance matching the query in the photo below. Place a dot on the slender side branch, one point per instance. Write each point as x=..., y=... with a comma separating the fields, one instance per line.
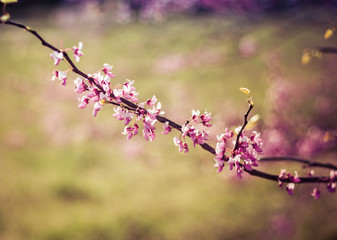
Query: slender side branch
x=331, y=50
x=44, y=43
x=271, y=177
x=245, y=122
x=300, y=160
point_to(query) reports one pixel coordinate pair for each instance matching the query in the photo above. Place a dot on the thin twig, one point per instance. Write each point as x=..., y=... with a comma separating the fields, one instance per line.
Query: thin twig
x=300, y=160
x=331, y=50
x=245, y=122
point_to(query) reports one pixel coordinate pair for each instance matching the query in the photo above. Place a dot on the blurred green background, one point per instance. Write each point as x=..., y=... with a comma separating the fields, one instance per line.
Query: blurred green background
x=67, y=175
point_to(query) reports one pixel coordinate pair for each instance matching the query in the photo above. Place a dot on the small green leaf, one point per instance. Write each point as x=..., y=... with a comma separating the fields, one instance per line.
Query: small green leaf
x=245, y=90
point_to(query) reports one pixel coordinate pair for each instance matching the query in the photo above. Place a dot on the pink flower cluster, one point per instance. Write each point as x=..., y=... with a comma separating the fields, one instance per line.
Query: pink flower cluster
x=190, y=129
x=331, y=186
x=333, y=181
x=244, y=157
x=77, y=51
x=99, y=89
x=284, y=175
x=128, y=92
x=61, y=75
x=316, y=193
x=148, y=117
x=58, y=57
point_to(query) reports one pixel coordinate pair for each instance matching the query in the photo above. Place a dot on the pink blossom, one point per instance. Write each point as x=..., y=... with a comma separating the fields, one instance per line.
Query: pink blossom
x=234, y=161
x=239, y=171
x=310, y=172
x=282, y=174
x=61, y=75
x=220, y=165
x=119, y=113
x=316, y=193
x=148, y=131
x=198, y=137
x=333, y=175
x=122, y=114
x=195, y=115
x=99, y=98
x=103, y=81
x=206, y=118
x=243, y=143
x=201, y=137
x=290, y=188
x=84, y=102
x=167, y=128
x=155, y=110
x=94, y=95
x=178, y=143
x=245, y=156
x=118, y=93
x=97, y=106
x=129, y=92
x=228, y=134
x=257, y=141
x=225, y=136
x=331, y=186
x=183, y=147
x=80, y=85
x=185, y=129
x=77, y=51
x=57, y=57
x=152, y=101
x=220, y=151
x=130, y=131
x=247, y=163
x=107, y=70
x=287, y=175
x=296, y=178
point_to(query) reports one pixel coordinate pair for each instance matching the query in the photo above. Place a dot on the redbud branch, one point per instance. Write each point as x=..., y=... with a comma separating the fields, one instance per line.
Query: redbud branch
x=44, y=43
x=271, y=177
x=162, y=119
x=245, y=122
x=331, y=50
x=300, y=160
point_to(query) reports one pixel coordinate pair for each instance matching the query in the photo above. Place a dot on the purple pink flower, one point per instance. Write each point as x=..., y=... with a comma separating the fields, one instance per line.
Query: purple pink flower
x=77, y=51
x=57, y=57
x=61, y=75
x=167, y=128
x=316, y=193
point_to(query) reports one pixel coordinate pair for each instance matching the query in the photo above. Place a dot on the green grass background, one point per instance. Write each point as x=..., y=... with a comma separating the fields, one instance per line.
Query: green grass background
x=67, y=175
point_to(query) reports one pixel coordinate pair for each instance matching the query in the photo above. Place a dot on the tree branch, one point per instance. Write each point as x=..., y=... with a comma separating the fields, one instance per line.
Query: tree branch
x=331, y=50
x=300, y=160
x=245, y=122
x=175, y=125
